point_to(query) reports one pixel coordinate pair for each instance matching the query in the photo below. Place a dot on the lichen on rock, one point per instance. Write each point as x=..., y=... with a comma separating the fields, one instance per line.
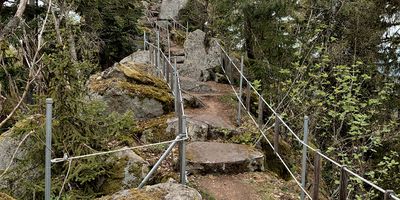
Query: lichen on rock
x=128, y=171
x=125, y=87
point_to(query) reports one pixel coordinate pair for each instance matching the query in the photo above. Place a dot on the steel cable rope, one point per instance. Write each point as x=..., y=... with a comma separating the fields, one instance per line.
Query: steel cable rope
x=295, y=135
x=270, y=144
x=292, y=132
x=66, y=158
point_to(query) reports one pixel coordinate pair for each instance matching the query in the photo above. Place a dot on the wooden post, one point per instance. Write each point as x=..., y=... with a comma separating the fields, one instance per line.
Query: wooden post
x=260, y=112
x=317, y=172
x=276, y=135
x=343, y=183
x=387, y=194
x=248, y=96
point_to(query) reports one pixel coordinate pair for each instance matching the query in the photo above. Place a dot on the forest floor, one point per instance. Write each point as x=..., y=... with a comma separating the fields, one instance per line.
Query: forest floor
x=248, y=185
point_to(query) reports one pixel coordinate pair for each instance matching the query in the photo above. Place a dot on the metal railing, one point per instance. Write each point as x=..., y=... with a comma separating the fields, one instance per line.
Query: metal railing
x=164, y=69
x=227, y=65
x=170, y=73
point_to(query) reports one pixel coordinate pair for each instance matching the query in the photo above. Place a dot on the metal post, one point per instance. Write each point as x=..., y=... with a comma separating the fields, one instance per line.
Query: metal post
x=158, y=49
x=176, y=87
x=260, y=112
x=317, y=172
x=182, y=151
x=240, y=92
x=169, y=47
x=150, y=56
x=155, y=58
x=304, y=159
x=155, y=167
x=387, y=194
x=343, y=183
x=167, y=74
x=144, y=40
x=187, y=29
x=276, y=134
x=163, y=66
x=49, y=108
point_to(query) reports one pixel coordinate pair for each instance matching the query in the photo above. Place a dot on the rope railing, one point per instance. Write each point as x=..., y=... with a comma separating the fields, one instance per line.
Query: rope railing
x=164, y=69
x=389, y=194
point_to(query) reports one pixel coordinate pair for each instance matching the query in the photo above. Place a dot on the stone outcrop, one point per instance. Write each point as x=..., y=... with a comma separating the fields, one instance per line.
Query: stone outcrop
x=163, y=191
x=175, y=191
x=200, y=61
x=223, y=157
x=15, y=149
x=171, y=8
x=197, y=130
x=128, y=171
x=126, y=87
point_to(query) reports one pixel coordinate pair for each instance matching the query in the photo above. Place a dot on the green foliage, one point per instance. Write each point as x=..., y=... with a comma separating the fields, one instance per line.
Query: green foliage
x=114, y=23
x=195, y=13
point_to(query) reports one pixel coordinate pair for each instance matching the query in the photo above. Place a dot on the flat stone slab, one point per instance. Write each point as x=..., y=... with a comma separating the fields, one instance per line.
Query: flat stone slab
x=223, y=157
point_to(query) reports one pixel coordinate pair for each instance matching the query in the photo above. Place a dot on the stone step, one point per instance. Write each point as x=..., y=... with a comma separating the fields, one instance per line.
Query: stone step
x=213, y=157
x=179, y=59
x=177, y=51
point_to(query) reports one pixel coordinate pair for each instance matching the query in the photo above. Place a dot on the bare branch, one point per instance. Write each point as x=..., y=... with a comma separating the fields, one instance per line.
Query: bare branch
x=31, y=63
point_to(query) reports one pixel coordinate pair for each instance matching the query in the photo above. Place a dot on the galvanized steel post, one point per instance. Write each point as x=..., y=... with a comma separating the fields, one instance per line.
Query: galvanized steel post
x=182, y=151
x=176, y=89
x=144, y=40
x=187, y=29
x=49, y=109
x=240, y=92
x=304, y=159
x=158, y=50
x=169, y=46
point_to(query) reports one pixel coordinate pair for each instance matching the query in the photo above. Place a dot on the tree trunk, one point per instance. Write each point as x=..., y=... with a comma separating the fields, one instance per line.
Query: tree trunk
x=14, y=22
x=72, y=49
x=1, y=4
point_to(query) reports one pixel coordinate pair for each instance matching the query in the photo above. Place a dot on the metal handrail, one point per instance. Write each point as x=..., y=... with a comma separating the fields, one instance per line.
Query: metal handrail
x=163, y=69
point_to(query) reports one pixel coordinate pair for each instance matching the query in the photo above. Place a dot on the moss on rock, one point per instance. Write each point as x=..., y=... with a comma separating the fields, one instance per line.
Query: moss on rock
x=135, y=75
x=126, y=87
x=4, y=196
x=154, y=130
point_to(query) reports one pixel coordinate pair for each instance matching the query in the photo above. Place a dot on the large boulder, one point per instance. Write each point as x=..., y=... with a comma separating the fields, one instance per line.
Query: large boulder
x=128, y=171
x=15, y=148
x=163, y=191
x=200, y=61
x=171, y=8
x=197, y=130
x=175, y=191
x=126, y=87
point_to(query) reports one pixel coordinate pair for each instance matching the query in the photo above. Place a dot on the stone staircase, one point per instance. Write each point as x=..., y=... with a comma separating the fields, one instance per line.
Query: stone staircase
x=207, y=152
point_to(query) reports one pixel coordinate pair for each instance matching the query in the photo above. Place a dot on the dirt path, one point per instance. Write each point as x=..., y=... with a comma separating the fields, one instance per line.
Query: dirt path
x=215, y=111
x=250, y=185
